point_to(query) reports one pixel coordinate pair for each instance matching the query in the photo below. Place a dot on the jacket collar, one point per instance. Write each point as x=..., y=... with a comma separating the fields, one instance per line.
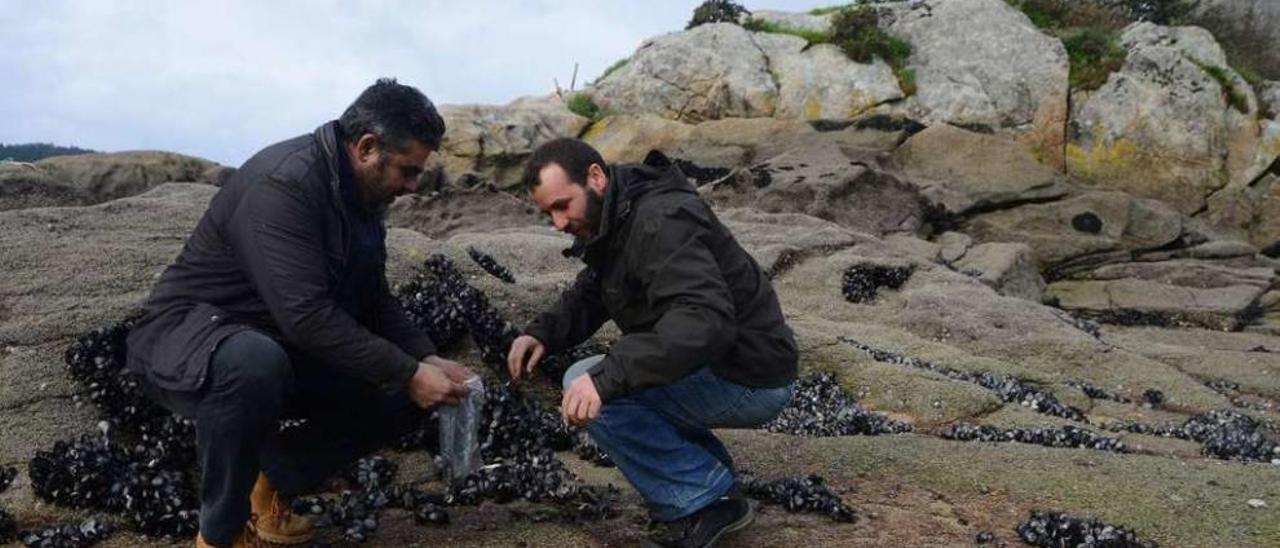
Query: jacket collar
x=328, y=137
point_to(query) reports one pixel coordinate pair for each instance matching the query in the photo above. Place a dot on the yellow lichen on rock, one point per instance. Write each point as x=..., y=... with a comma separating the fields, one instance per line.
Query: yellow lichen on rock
x=860, y=102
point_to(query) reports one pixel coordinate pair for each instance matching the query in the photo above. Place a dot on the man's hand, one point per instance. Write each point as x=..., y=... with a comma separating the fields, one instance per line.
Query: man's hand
x=581, y=403
x=432, y=386
x=454, y=370
x=525, y=354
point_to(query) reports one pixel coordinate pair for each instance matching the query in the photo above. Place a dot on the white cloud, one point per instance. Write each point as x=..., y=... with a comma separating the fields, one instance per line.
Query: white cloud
x=222, y=79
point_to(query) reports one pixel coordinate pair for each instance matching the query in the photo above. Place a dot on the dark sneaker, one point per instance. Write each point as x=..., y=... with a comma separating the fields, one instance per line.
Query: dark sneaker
x=703, y=528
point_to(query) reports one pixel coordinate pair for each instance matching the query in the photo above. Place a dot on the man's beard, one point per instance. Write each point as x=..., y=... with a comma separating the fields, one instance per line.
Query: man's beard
x=594, y=213
x=369, y=187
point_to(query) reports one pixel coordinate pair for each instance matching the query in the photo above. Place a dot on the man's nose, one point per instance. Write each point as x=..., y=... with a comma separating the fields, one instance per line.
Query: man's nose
x=411, y=186
x=560, y=221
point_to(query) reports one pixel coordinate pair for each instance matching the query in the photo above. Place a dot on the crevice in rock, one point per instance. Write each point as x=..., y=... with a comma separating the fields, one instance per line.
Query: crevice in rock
x=1071, y=268
x=941, y=220
x=788, y=260
x=768, y=69
x=1273, y=169
x=985, y=207
x=1204, y=208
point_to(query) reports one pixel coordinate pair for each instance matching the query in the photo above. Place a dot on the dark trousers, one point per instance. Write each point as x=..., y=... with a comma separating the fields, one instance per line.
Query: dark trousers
x=251, y=385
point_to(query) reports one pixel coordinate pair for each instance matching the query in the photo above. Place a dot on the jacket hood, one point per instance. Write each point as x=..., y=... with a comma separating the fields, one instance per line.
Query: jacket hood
x=627, y=183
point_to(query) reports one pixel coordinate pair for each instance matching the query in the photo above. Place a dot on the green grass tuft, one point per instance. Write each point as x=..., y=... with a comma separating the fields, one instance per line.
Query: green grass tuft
x=1094, y=54
x=810, y=36
x=583, y=105
x=907, y=81
x=1234, y=97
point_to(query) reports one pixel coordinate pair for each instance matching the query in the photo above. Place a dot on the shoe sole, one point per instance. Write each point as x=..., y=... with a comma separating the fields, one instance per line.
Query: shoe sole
x=735, y=526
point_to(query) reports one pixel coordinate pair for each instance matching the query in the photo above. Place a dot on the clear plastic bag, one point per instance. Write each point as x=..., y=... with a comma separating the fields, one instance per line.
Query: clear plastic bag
x=460, y=433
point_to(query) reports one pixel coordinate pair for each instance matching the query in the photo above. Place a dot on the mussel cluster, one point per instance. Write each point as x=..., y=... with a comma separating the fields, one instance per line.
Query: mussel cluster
x=86, y=533
x=861, y=283
x=137, y=465
x=1059, y=530
x=441, y=302
x=1223, y=433
x=798, y=494
x=491, y=265
x=820, y=407
x=1067, y=436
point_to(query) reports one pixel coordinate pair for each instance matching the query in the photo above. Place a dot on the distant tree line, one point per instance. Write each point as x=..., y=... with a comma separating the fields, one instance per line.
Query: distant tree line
x=30, y=152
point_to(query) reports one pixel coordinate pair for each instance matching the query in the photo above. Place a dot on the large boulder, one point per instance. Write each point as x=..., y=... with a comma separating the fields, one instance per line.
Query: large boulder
x=491, y=142
x=107, y=176
x=722, y=70
x=1164, y=126
x=24, y=185
x=983, y=63
x=820, y=82
x=711, y=71
x=963, y=171
x=1251, y=27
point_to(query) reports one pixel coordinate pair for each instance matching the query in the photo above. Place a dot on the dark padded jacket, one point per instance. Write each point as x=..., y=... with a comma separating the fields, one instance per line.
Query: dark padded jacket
x=677, y=284
x=271, y=253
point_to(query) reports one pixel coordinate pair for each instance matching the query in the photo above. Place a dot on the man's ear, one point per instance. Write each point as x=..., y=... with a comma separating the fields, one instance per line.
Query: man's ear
x=596, y=179
x=367, y=147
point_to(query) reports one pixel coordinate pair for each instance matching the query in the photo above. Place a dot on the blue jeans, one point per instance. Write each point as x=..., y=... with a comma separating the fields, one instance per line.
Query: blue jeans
x=661, y=439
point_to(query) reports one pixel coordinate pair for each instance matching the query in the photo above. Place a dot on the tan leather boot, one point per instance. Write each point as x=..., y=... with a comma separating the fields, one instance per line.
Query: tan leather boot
x=270, y=518
x=245, y=540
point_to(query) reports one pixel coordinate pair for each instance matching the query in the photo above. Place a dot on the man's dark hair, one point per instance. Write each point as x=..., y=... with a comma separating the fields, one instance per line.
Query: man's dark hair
x=572, y=155
x=396, y=113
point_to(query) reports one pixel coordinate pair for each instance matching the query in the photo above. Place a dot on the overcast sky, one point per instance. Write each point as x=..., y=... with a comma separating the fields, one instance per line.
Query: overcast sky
x=220, y=79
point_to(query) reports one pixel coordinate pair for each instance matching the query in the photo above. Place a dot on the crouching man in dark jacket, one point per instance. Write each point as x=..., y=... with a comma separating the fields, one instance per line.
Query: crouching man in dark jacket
x=704, y=342
x=278, y=306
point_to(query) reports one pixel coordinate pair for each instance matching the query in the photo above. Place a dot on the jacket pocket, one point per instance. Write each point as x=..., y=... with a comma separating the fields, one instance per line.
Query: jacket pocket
x=182, y=355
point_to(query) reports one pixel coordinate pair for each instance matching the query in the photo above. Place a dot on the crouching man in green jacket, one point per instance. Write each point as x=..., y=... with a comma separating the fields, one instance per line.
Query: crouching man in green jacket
x=704, y=343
